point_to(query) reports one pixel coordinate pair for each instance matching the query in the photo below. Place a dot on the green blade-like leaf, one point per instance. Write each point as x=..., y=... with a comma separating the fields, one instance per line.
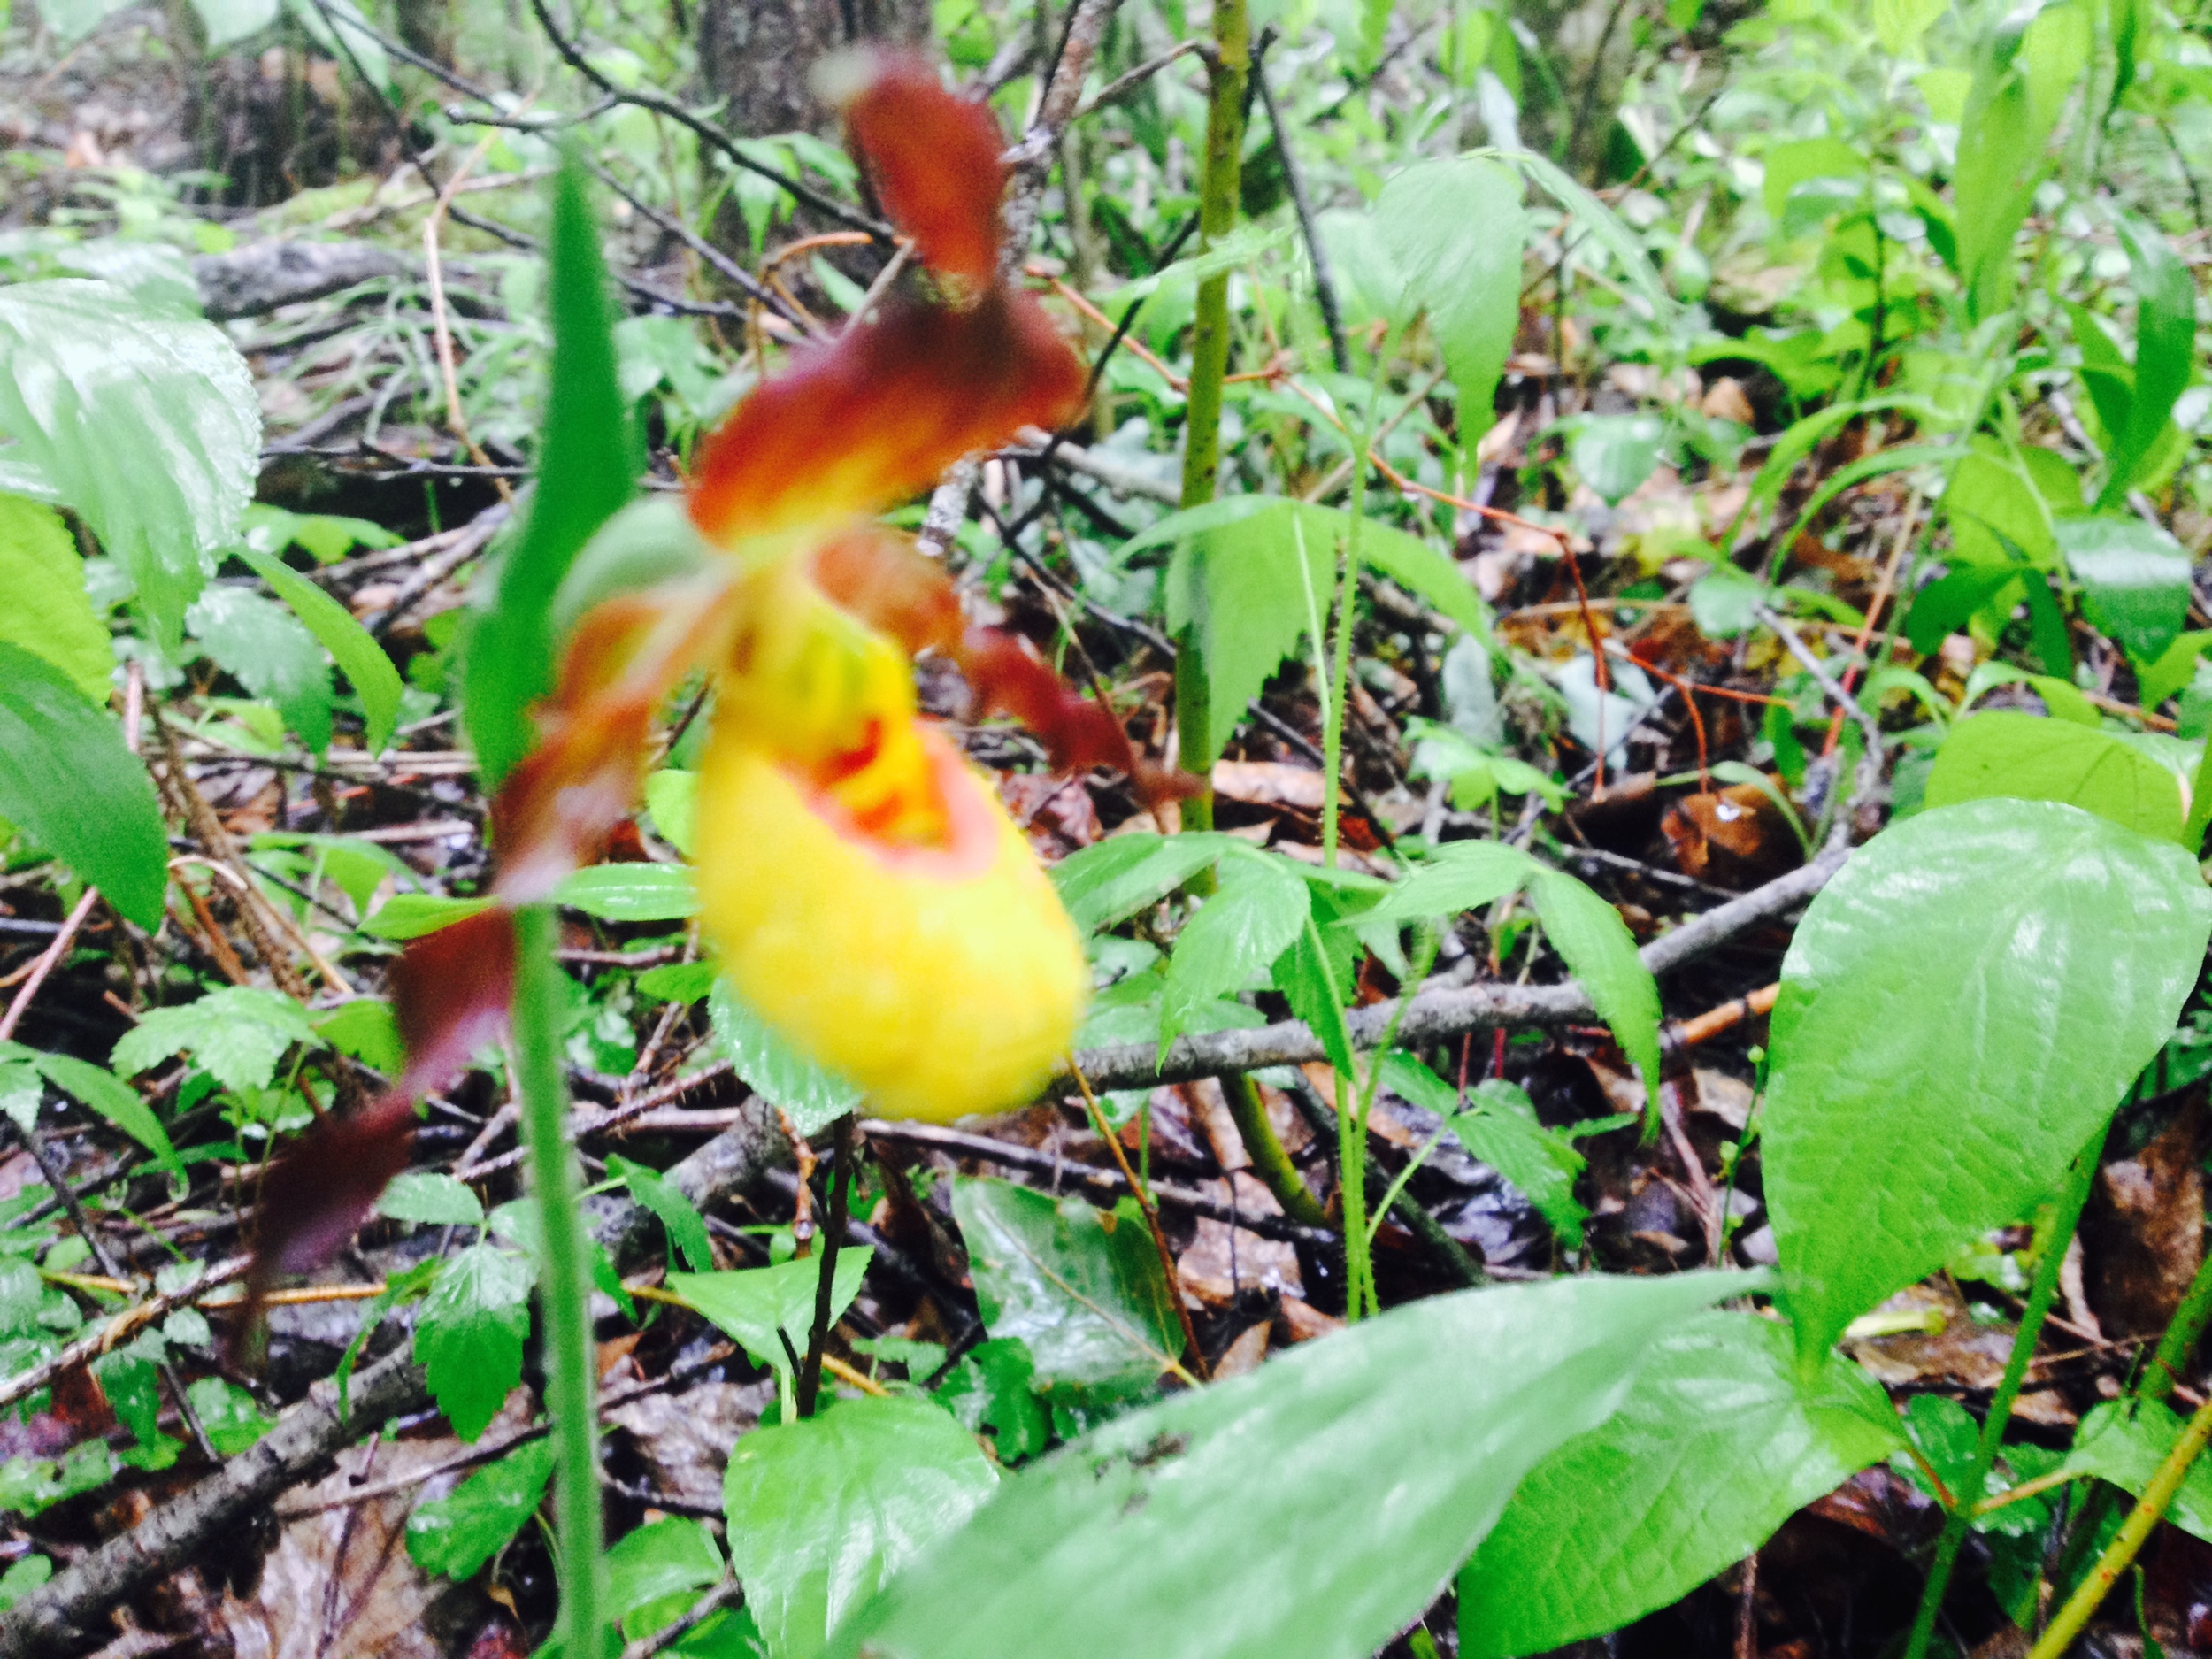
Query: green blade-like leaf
x=1084, y=1291
x=589, y=462
x=1961, y=1007
x=1465, y=876
x=631, y=893
x=1454, y=228
x=47, y=612
x=375, y=680
x=1114, y=879
x=165, y=485
x=263, y=646
x=68, y=781
x=822, y=1512
x=1719, y=1442
x=1309, y=1510
x=106, y=1094
x=2165, y=354
x=1601, y=953
x=2124, y=1441
x=2007, y=753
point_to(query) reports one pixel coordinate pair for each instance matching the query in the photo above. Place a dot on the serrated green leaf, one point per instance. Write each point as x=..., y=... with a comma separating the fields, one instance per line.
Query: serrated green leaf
x=1254, y=914
x=263, y=647
x=229, y=1415
x=2006, y=753
x=1960, y=1009
x=588, y=461
x=1454, y=228
x=1503, y=1131
x=470, y=1334
x=822, y=1512
x=1112, y=880
x=1082, y=1287
x=2125, y=1440
x=427, y=1197
x=236, y=1034
x=1465, y=876
x=753, y=1304
x=777, y=1071
x=1166, y=1532
x=375, y=681
x=994, y=1388
x=631, y=893
x=47, y=612
x=179, y=446
x=1716, y=1444
x=456, y=1535
x=113, y=1099
x=367, y=1030
x=69, y=783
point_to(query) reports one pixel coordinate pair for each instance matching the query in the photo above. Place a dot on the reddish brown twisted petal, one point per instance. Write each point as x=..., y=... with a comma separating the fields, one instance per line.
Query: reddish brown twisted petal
x=882, y=578
x=449, y=994
x=933, y=157
x=1008, y=677
x=857, y=425
x=559, y=804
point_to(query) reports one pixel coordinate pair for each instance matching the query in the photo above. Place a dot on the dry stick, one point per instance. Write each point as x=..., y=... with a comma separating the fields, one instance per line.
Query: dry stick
x=1301, y=203
x=1151, y=1221
x=1702, y=1027
x=1435, y=1015
x=2127, y=1543
x=1138, y=76
x=1873, y=611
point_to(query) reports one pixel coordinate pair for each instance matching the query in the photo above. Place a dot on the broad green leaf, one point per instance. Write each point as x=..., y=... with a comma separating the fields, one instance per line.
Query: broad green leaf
x=236, y=1035
x=588, y=461
x=1998, y=516
x=1251, y=573
x=1081, y=1287
x=230, y=21
x=1112, y=880
x=755, y=1303
x=107, y=1095
x=456, y=1535
x=1253, y=917
x=263, y=646
x=2007, y=753
x=824, y=1511
x=993, y=1388
x=2165, y=354
x=672, y=797
x=469, y=1335
x=366, y=1029
x=1454, y=228
x=23, y=1577
x=1961, y=1007
x=375, y=681
x=1599, y=224
x=2175, y=667
x=1308, y=976
x=429, y=1198
x=47, y=612
x=2021, y=73
x=1307, y=1511
x=651, y=1568
x=1613, y=454
x=2134, y=579
x=2124, y=1441
x=1724, y=605
x=1899, y=24
x=412, y=915
x=1501, y=1130
x=1719, y=1442
x=679, y=981
x=1465, y=876
x=30, y=1485
x=686, y=1228
x=1795, y=161
x=68, y=782
x=178, y=445
x=631, y=893
x=229, y=1413
x=779, y=1073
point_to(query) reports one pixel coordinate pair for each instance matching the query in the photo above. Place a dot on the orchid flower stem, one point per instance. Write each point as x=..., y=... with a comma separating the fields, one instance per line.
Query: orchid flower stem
x=826, y=1283
x=563, y=1282
x=2053, y=1236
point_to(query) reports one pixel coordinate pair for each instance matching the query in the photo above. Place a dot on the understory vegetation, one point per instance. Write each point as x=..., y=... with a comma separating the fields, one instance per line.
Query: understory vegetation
x=1022, y=828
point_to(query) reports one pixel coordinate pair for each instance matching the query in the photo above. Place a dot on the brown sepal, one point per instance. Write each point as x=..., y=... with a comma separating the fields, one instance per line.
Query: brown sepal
x=933, y=158
x=1009, y=676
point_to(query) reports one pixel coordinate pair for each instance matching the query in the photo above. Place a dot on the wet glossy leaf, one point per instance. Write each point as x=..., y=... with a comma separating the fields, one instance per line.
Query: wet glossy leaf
x=1962, y=1005
x=166, y=485
x=779, y=1073
x=1307, y=1511
x=429, y=1198
x=755, y=1304
x=1081, y=1287
x=413, y=915
x=631, y=893
x=1716, y=1444
x=47, y=612
x=2008, y=752
x=2134, y=579
x=823, y=1511
x=456, y=1535
x=993, y=1389
x=650, y=1568
x=69, y=783
x=1114, y=879
x=262, y=645
x=469, y=1336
